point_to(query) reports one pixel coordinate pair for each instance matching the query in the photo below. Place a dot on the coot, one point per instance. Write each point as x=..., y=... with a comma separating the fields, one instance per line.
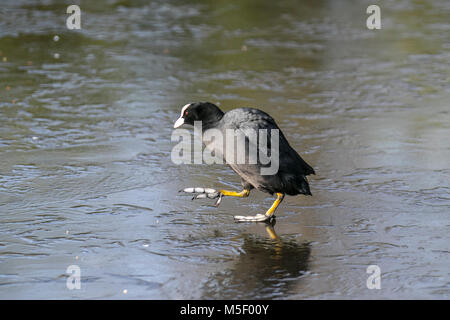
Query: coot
x=290, y=176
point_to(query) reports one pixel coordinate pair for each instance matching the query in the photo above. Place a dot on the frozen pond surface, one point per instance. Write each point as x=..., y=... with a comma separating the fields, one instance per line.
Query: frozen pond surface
x=85, y=171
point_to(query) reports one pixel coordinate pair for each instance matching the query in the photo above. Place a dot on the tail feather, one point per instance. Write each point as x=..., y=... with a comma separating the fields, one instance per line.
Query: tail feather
x=294, y=185
x=304, y=186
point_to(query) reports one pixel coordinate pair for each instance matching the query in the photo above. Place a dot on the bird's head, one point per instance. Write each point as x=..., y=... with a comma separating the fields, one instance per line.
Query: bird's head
x=206, y=112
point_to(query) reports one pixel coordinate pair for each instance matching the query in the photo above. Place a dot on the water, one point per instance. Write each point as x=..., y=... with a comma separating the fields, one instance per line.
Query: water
x=85, y=171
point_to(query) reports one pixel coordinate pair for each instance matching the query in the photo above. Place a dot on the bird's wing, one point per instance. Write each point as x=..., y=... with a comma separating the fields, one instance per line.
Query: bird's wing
x=250, y=121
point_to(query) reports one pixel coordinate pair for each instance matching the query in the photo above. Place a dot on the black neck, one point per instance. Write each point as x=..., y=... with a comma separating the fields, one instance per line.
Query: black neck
x=213, y=118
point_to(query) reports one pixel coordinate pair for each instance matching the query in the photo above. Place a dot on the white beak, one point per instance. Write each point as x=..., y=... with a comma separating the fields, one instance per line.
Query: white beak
x=179, y=122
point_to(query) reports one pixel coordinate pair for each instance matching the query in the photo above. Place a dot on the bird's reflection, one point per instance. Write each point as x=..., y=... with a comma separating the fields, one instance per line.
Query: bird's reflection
x=266, y=268
x=270, y=229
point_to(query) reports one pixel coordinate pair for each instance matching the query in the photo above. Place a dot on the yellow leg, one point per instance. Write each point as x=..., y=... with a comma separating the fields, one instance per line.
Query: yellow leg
x=262, y=217
x=275, y=205
x=210, y=193
x=242, y=194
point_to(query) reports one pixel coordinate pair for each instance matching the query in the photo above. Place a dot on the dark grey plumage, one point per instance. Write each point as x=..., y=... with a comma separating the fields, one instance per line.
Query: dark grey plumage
x=291, y=175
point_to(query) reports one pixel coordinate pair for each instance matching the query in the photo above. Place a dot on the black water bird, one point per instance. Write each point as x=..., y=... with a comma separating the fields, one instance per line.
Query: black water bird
x=290, y=176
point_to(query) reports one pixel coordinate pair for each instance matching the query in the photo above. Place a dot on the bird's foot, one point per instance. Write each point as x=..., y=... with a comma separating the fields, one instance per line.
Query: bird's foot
x=257, y=218
x=204, y=193
x=267, y=217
